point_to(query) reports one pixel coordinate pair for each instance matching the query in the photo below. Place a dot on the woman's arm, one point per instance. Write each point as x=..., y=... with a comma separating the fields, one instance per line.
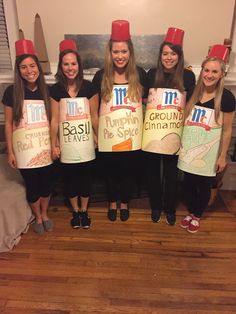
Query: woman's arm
x=8, y=133
x=93, y=103
x=54, y=128
x=225, y=142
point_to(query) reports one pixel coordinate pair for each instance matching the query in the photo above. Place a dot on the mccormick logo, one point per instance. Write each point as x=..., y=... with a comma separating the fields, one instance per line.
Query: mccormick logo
x=171, y=99
x=36, y=114
x=201, y=117
x=74, y=109
x=120, y=99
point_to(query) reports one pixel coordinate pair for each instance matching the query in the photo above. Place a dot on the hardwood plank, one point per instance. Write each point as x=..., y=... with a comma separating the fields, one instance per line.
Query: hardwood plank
x=132, y=267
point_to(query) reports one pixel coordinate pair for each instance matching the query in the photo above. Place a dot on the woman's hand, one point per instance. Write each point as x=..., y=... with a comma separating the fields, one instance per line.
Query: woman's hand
x=220, y=164
x=12, y=160
x=56, y=152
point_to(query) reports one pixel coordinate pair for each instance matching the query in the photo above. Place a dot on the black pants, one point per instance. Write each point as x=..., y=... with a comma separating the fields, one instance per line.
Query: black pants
x=38, y=182
x=162, y=175
x=197, y=191
x=119, y=169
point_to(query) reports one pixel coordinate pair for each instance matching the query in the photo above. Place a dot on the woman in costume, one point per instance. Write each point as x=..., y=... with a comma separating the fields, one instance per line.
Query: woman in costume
x=206, y=135
x=169, y=86
x=27, y=131
x=121, y=85
x=74, y=125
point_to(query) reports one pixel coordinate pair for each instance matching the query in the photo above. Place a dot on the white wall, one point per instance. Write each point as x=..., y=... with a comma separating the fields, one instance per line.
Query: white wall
x=205, y=21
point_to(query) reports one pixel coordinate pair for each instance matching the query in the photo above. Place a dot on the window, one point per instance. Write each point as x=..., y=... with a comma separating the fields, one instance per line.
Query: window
x=5, y=58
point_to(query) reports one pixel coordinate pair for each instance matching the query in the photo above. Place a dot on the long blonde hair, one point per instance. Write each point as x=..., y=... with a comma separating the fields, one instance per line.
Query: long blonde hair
x=131, y=74
x=199, y=89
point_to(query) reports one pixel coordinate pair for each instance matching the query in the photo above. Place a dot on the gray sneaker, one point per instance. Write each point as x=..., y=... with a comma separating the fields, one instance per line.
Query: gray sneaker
x=38, y=228
x=48, y=225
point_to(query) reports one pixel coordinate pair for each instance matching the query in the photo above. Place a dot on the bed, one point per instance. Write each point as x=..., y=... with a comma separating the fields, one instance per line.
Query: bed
x=15, y=213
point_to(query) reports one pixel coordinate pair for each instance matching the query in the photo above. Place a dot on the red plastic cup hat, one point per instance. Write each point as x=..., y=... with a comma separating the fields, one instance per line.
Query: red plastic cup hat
x=120, y=30
x=67, y=44
x=219, y=51
x=174, y=36
x=24, y=47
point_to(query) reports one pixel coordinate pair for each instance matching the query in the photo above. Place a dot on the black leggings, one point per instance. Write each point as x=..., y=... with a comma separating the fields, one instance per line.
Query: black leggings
x=77, y=179
x=197, y=191
x=162, y=175
x=38, y=182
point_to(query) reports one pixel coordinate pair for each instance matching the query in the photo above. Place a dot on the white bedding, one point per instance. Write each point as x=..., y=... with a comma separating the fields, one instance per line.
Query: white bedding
x=15, y=213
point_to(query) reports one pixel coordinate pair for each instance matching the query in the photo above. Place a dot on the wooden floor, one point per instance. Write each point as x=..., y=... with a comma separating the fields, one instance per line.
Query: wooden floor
x=129, y=267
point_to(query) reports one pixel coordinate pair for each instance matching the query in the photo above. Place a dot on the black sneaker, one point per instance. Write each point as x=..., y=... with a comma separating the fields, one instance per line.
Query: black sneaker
x=85, y=220
x=112, y=214
x=156, y=215
x=124, y=214
x=170, y=219
x=75, y=221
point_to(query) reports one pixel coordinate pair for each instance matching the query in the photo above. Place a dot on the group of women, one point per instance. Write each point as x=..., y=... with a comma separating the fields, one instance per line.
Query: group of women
x=185, y=127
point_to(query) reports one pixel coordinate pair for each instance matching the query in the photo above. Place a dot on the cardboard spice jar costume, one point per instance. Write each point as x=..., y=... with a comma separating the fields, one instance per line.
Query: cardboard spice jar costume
x=120, y=119
x=164, y=115
x=31, y=138
x=201, y=136
x=75, y=126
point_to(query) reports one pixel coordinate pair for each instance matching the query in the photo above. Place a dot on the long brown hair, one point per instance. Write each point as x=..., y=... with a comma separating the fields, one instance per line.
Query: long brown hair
x=20, y=84
x=199, y=89
x=175, y=79
x=60, y=76
x=131, y=74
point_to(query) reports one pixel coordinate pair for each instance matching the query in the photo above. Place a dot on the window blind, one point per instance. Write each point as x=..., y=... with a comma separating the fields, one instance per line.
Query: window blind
x=5, y=58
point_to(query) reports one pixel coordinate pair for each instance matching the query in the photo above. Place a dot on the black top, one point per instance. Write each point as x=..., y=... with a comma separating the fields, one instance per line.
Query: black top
x=87, y=90
x=228, y=102
x=97, y=80
x=189, y=80
x=7, y=98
